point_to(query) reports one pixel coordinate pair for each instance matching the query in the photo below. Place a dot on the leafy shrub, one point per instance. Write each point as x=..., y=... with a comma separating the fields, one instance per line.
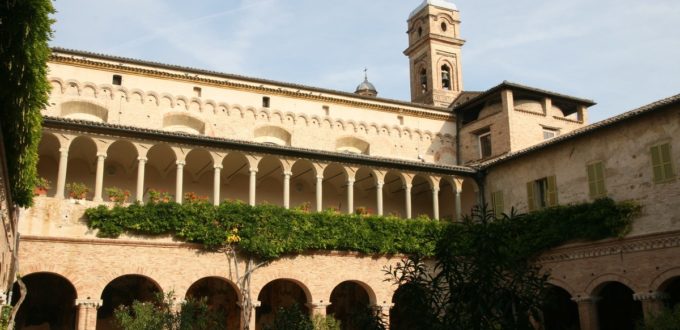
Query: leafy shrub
x=668, y=319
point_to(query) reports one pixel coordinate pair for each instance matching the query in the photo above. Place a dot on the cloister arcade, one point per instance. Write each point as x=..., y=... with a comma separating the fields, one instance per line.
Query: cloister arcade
x=101, y=162
x=53, y=301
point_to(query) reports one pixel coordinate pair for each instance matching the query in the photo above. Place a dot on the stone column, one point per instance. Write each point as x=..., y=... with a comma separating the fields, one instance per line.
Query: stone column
x=87, y=313
x=216, y=184
x=407, y=190
x=379, y=196
x=652, y=302
x=252, y=186
x=350, y=196
x=179, y=195
x=435, y=203
x=587, y=312
x=61, y=175
x=459, y=212
x=319, y=193
x=99, y=181
x=140, y=178
x=318, y=308
x=253, y=314
x=286, y=189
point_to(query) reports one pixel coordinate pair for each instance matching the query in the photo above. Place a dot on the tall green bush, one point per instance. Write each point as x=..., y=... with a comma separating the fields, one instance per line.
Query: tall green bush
x=25, y=29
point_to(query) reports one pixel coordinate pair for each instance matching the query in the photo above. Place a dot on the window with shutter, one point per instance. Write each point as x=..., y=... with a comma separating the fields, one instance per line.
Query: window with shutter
x=662, y=165
x=596, y=186
x=497, y=201
x=542, y=193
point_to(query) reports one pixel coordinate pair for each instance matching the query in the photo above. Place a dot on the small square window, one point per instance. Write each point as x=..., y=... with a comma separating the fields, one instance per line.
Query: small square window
x=197, y=91
x=484, y=144
x=549, y=133
x=326, y=110
x=265, y=102
x=117, y=79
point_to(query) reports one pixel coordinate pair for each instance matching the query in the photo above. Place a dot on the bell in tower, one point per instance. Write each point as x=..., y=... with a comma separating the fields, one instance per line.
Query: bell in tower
x=434, y=53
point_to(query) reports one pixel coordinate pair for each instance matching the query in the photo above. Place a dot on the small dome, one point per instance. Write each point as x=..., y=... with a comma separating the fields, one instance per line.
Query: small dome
x=366, y=88
x=438, y=3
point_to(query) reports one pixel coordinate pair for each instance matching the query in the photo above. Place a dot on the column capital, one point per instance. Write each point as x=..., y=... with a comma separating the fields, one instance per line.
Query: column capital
x=319, y=177
x=650, y=295
x=380, y=183
x=253, y=170
x=63, y=151
x=96, y=303
x=181, y=163
x=101, y=155
x=585, y=299
x=318, y=305
x=351, y=181
x=435, y=189
x=142, y=159
x=408, y=186
x=287, y=173
x=218, y=167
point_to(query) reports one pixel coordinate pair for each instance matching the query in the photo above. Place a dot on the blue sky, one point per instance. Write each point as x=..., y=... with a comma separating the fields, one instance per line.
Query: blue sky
x=620, y=53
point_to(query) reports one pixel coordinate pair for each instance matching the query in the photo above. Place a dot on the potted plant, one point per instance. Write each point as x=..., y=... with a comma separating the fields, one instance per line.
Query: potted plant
x=41, y=186
x=156, y=196
x=77, y=190
x=117, y=195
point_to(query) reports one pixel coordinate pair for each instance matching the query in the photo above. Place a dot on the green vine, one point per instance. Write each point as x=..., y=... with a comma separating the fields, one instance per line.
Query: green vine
x=268, y=231
x=24, y=89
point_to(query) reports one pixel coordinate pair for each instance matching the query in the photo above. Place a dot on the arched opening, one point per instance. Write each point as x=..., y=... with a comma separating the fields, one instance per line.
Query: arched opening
x=559, y=311
x=180, y=122
x=348, y=301
x=335, y=188
x=161, y=170
x=48, y=161
x=120, y=168
x=672, y=289
x=82, y=166
x=273, y=135
x=616, y=309
x=303, y=185
x=84, y=111
x=352, y=145
x=394, y=198
x=198, y=174
x=235, y=177
x=423, y=80
x=277, y=294
x=270, y=181
x=221, y=297
x=421, y=197
x=123, y=291
x=49, y=304
x=447, y=200
x=446, y=74
x=365, y=198
x=409, y=305
x=469, y=196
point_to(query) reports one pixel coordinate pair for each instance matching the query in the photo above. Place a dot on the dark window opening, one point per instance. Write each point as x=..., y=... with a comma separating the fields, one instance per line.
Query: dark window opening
x=485, y=145
x=443, y=26
x=197, y=91
x=446, y=77
x=420, y=32
x=423, y=80
x=265, y=102
x=117, y=79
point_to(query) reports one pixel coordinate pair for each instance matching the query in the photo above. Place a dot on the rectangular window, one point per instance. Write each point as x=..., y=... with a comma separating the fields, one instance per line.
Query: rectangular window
x=550, y=133
x=497, y=201
x=542, y=193
x=265, y=101
x=484, y=145
x=661, y=163
x=117, y=79
x=197, y=91
x=596, y=180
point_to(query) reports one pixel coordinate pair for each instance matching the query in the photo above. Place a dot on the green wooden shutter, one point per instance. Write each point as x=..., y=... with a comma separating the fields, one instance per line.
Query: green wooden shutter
x=592, y=180
x=552, y=191
x=599, y=176
x=665, y=153
x=656, y=163
x=530, y=196
x=497, y=200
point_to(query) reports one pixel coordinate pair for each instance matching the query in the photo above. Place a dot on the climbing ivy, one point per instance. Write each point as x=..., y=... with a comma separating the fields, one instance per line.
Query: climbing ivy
x=268, y=231
x=24, y=33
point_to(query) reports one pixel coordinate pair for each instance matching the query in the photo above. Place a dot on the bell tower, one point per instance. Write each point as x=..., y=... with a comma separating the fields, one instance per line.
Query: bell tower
x=434, y=49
